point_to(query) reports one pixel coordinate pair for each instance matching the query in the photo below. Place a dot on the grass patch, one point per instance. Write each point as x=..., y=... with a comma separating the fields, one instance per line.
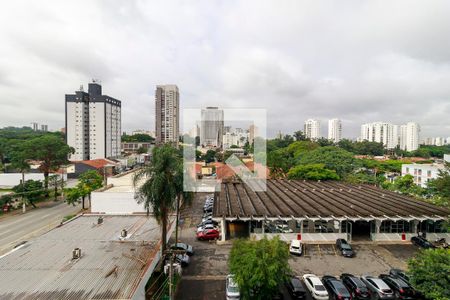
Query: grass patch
x=68, y=217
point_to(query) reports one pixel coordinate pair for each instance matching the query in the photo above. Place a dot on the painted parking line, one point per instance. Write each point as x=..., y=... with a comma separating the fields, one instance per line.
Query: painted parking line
x=334, y=249
x=318, y=250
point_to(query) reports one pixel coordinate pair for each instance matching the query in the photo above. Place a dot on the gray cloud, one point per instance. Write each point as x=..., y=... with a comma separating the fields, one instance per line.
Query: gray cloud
x=360, y=61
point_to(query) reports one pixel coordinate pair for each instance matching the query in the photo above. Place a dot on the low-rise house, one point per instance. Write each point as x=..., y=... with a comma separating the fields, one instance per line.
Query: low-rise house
x=422, y=173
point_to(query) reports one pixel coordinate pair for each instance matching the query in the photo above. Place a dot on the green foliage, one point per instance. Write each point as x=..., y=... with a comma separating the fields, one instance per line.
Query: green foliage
x=32, y=190
x=431, y=151
x=49, y=149
x=160, y=183
x=299, y=136
x=430, y=271
x=332, y=157
x=142, y=150
x=362, y=148
x=296, y=149
x=279, y=160
x=209, y=156
x=279, y=143
x=259, y=267
x=139, y=138
x=324, y=142
x=90, y=180
x=72, y=195
x=312, y=172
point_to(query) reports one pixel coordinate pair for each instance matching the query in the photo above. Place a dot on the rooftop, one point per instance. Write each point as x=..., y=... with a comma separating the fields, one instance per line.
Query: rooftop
x=316, y=200
x=43, y=268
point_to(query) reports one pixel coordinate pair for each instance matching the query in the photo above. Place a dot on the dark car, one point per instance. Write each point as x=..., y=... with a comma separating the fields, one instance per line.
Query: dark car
x=296, y=288
x=398, y=273
x=345, y=248
x=182, y=246
x=355, y=286
x=402, y=290
x=422, y=242
x=336, y=289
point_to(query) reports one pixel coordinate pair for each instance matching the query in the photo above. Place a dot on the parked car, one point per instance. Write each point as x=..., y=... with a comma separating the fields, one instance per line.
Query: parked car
x=209, y=234
x=231, y=288
x=296, y=247
x=315, y=286
x=182, y=246
x=398, y=273
x=296, y=288
x=345, y=248
x=401, y=289
x=336, y=289
x=422, y=242
x=183, y=259
x=206, y=227
x=378, y=287
x=284, y=228
x=355, y=286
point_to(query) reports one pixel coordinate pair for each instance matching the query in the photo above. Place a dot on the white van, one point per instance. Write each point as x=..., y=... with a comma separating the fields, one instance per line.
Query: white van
x=296, y=247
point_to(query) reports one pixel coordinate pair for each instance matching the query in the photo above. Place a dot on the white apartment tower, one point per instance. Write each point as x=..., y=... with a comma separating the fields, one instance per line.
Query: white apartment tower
x=93, y=124
x=312, y=129
x=412, y=132
x=380, y=132
x=167, y=116
x=335, y=130
x=212, y=127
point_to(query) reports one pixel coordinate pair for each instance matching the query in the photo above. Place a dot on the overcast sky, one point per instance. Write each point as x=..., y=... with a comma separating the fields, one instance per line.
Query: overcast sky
x=360, y=61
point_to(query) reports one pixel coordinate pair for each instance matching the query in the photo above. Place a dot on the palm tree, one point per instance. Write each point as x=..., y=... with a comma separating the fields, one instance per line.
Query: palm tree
x=160, y=186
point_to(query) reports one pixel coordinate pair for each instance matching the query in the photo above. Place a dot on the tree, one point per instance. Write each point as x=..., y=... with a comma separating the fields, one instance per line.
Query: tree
x=430, y=271
x=441, y=185
x=31, y=190
x=209, y=156
x=296, y=149
x=19, y=162
x=139, y=138
x=72, y=195
x=299, y=136
x=332, y=157
x=324, y=142
x=142, y=150
x=157, y=187
x=87, y=182
x=51, y=150
x=312, y=172
x=259, y=267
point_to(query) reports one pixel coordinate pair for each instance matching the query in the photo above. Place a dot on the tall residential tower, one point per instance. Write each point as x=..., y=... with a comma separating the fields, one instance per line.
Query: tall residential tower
x=167, y=116
x=312, y=129
x=335, y=130
x=93, y=124
x=212, y=127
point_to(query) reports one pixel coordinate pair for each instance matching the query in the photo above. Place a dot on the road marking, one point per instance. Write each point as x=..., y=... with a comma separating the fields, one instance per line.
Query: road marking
x=334, y=249
x=318, y=249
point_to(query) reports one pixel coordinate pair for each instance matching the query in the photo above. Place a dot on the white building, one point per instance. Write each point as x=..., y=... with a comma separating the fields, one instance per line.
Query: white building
x=237, y=137
x=167, y=116
x=335, y=130
x=312, y=129
x=211, y=127
x=422, y=173
x=380, y=132
x=406, y=136
x=93, y=124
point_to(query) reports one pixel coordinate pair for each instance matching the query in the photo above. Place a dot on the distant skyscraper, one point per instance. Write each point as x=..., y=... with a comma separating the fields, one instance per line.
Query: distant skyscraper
x=312, y=129
x=252, y=133
x=93, y=124
x=380, y=132
x=35, y=126
x=44, y=128
x=212, y=127
x=412, y=136
x=167, y=117
x=335, y=130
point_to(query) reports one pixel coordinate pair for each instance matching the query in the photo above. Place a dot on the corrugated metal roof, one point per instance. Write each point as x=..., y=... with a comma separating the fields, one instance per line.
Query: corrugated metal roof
x=44, y=269
x=299, y=198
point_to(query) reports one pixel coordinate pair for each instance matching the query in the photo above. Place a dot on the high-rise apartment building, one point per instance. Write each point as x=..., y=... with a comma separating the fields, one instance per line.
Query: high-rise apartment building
x=335, y=130
x=405, y=136
x=93, y=124
x=252, y=133
x=412, y=136
x=167, y=116
x=380, y=132
x=212, y=127
x=312, y=129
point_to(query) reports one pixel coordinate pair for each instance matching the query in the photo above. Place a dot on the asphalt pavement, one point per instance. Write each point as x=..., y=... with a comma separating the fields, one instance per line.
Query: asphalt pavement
x=21, y=227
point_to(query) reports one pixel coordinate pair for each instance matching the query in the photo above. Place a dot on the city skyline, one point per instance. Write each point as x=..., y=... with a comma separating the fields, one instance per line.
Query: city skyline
x=356, y=73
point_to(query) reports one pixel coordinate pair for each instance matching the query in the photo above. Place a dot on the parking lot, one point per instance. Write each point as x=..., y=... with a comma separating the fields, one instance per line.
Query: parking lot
x=204, y=278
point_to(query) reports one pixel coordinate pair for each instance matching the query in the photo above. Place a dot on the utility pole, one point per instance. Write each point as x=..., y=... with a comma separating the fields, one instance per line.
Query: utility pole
x=171, y=253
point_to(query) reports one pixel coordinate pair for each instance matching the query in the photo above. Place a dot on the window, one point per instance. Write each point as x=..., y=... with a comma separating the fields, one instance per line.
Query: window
x=429, y=173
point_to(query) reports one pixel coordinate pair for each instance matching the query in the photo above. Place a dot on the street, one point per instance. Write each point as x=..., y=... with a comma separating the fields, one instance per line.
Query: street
x=17, y=228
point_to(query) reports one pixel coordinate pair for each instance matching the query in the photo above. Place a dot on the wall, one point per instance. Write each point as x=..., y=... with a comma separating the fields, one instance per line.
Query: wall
x=306, y=237
x=115, y=203
x=9, y=180
x=398, y=236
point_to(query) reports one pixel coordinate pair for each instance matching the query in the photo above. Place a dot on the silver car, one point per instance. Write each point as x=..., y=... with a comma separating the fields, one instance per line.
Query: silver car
x=378, y=287
x=232, y=289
